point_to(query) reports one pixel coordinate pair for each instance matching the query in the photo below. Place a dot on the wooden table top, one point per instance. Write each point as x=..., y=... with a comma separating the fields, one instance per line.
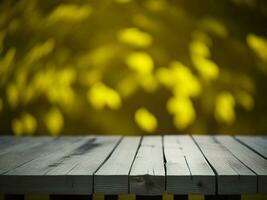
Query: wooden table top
x=148, y=165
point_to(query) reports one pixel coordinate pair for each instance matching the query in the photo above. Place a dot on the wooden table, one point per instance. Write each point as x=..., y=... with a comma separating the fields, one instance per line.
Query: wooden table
x=219, y=167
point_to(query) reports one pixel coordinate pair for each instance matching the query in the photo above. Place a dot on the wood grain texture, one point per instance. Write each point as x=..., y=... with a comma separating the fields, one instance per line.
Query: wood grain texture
x=113, y=176
x=233, y=177
x=67, y=170
x=258, y=144
x=251, y=159
x=187, y=171
x=23, y=154
x=15, y=144
x=147, y=176
x=112, y=165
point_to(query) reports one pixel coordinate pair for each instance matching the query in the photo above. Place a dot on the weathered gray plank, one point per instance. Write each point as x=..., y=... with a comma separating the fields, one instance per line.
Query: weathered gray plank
x=23, y=154
x=187, y=171
x=258, y=144
x=112, y=177
x=7, y=140
x=15, y=144
x=233, y=177
x=250, y=158
x=30, y=177
x=69, y=171
x=147, y=176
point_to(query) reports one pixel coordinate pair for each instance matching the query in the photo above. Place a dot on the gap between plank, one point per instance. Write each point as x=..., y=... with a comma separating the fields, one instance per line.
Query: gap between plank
x=165, y=161
x=139, y=145
x=215, y=172
x=93, y=176
x=244, y=144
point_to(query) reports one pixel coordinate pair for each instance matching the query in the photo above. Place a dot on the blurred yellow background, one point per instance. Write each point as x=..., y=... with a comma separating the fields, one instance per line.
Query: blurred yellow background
x=133, y=67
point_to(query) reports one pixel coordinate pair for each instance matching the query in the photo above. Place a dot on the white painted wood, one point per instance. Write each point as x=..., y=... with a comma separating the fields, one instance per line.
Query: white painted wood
x=257, y=143
x=250, y=158
x=147, y=176
x=187, y=171
x=113, y=176
x=233, y=177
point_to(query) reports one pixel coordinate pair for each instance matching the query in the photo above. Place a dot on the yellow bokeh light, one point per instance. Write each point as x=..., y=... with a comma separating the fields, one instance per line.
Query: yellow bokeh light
x=183, y=111
x=199, y=48
x=29, y=122
x=17, y=127
x=148, y=83
x=214, y=26
x=258, y=45
x=6, y=61
x=146, y=120
x=12, y=95
x=70, y=12
x=25, y=125
x=140, y=62
x=155, y=5
x=84, y=59
x=224, y=108
x=39, y=51
x=135, y=37
x=127, y=86
x=90, y=77
x=100, y=95
x=202, y=37
x=180, y=79
x=54, y=121
x=208, y=69
x=185, y=83
x=123, y=1
x=164, y=76
x=66, y=76
x=245, y=100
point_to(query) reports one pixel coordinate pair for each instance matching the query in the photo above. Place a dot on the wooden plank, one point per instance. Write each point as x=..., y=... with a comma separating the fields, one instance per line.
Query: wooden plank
x=68, y=171
x=24, y=154
x=250, y=158
x=112, y=177
x=7, y=140
x=30, y=177
x=15, y=144
x=258, y=144
x=233, y=177
x=147, y=176
x=187, y=171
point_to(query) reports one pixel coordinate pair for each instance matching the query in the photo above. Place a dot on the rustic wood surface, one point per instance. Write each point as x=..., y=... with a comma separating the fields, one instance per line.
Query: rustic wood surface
x=145, y=166
x=233, y=177
x=187, y=171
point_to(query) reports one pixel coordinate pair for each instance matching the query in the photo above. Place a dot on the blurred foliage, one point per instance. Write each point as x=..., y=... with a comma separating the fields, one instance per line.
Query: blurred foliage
x=133, y=66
